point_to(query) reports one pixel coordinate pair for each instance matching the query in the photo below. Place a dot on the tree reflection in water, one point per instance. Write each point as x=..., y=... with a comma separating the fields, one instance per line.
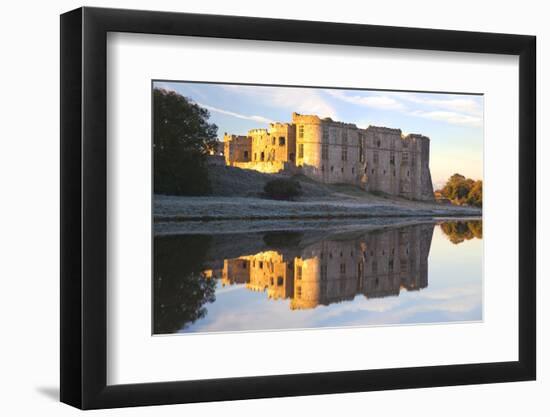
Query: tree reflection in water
x=459, y=231
x=180, y=288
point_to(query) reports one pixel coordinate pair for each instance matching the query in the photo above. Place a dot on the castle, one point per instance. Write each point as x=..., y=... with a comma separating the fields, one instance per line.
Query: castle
x=375, y=264
x=376, y=159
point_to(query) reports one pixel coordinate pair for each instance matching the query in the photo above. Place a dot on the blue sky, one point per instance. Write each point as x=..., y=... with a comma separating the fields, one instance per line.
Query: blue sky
x=454, y=122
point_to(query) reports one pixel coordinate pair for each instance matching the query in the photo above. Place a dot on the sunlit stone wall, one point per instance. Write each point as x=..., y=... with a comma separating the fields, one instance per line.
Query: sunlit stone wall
x=377, y=159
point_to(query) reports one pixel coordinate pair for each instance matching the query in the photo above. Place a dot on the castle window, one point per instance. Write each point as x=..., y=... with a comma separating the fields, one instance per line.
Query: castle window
x=244, y=265
x=344, y=153
x=353, y=170
x=273, y=140
x=282, y=141
x=299, y=272
x=390, y=265
x=280, y=281
x=262, y=156
x=261, y=265
x=394, y=172
x=323, y=272
x=342, y=268
x=255, y=157
x=405, y=156
x=378, y=143
x=324, y=151
x=299, y=292
x=301, y=131
x=245, y=154
x=342, y=170
x=325, y=132
x=372, y=171
x=392, y=158
x=301, y=150
x=407, y=173
x=384, y=172
x=322, y=168
x=331, y=169
x=271, y=281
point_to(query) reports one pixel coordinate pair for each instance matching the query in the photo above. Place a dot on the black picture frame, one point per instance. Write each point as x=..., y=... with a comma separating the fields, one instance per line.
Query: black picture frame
x=84, y=207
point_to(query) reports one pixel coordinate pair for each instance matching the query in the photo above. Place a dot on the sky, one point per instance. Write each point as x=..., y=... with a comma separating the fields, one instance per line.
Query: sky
x=453, y=122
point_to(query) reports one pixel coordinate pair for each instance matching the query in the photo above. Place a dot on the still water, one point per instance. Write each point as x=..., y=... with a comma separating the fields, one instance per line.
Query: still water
x=327, y=277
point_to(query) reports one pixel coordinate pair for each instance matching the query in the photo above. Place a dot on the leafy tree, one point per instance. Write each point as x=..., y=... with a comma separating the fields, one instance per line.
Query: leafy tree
x=182, y=138
x=180, y=289
x=462, y=190
x=475, y=195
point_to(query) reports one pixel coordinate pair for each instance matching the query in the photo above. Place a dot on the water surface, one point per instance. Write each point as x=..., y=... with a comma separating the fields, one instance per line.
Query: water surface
x=294, y=279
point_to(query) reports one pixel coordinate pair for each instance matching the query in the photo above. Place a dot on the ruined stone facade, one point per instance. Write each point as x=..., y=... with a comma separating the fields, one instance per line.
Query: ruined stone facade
x=376, y=159
x=376, y=264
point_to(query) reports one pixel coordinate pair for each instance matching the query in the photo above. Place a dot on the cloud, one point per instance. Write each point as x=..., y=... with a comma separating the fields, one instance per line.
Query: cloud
x=458, y=105
x=449, y=117
x=301, y=100
x=382, y=102
x=450, y=109
x=260, y=119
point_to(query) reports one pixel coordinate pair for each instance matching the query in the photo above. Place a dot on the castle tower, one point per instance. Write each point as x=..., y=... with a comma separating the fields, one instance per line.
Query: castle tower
x=378, y=159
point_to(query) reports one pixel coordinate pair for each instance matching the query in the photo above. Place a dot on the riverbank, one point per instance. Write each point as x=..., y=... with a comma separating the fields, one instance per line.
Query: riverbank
x=220, y=227
x=180, y=209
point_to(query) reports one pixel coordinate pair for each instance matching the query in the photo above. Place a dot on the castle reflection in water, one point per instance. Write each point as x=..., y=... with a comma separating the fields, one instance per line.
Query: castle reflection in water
x=340, y=267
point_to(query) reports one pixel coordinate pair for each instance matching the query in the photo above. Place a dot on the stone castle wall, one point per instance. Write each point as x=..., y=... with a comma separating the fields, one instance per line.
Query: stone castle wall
x=377, y=159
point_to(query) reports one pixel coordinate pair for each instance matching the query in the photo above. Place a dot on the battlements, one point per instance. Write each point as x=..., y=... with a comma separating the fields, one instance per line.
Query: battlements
x=382, y=129
x=298, y=118
x=377, y=158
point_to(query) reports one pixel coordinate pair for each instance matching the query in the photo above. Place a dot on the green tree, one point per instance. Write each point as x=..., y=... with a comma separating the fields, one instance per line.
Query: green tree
x=475, y=195
x=182, y=138
x=462, y=190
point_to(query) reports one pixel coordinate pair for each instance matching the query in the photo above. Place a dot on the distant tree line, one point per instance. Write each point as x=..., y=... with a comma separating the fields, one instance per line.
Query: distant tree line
x=461, y=190
x=182, y=138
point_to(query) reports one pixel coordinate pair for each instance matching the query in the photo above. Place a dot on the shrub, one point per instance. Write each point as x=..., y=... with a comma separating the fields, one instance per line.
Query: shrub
x=283, y=189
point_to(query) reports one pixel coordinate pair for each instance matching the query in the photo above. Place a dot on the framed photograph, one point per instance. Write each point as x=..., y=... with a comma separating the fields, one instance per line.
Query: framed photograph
x=256, y=208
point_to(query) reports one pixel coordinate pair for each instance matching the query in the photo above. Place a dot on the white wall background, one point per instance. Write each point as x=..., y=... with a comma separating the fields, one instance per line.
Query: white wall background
x=29, y=225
